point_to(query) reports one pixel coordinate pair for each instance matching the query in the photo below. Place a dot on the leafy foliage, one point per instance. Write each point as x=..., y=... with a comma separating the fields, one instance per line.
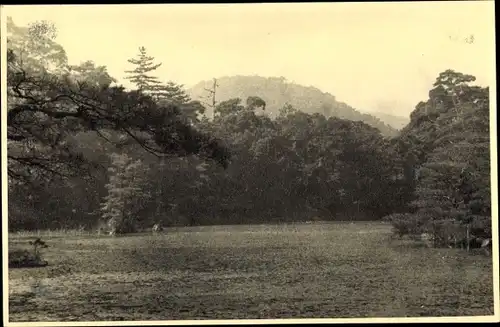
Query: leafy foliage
x=125, y=195
x=449, y=135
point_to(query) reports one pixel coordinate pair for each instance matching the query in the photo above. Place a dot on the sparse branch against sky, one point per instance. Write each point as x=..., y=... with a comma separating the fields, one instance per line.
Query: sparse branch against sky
x=373, y=56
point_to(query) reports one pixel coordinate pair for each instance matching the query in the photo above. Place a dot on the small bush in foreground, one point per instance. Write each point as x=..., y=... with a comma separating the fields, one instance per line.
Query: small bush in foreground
x=28, y=259
x=404, y=224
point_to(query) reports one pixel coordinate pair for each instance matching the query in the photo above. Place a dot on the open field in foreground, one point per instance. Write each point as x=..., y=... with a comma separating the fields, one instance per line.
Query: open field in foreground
x=244, y=272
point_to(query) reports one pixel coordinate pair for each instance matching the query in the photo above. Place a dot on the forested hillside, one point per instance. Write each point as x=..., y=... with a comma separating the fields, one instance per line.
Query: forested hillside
x=83, y=151
x=277, y=92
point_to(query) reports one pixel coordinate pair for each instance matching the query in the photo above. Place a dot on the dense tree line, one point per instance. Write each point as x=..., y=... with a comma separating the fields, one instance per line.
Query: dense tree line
x=83, y=151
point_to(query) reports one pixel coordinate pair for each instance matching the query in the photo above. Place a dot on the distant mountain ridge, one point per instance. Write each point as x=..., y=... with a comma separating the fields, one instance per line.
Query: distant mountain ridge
x=398, y=122
x=277, y=92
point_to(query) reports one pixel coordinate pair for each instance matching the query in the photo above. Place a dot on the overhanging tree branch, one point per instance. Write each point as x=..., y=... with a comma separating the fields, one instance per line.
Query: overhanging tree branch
x=70, y=108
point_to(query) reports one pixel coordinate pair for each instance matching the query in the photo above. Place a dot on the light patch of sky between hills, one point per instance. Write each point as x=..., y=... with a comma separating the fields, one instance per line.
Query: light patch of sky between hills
x=373, y=56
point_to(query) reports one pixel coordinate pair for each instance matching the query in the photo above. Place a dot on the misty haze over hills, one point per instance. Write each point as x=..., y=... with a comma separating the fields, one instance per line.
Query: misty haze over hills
x=397, y=122
x=277, y=91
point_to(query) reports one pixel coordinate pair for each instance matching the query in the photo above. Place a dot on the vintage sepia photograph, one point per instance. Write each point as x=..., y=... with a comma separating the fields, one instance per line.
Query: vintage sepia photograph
x=251, y=163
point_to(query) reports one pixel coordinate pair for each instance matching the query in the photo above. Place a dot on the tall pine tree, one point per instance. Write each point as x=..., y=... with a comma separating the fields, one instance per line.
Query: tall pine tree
x=170, y=93
x=140, y=75
x=125, y=194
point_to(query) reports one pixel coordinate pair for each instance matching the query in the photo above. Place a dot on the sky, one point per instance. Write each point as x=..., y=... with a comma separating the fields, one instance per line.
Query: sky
x=374, y=56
